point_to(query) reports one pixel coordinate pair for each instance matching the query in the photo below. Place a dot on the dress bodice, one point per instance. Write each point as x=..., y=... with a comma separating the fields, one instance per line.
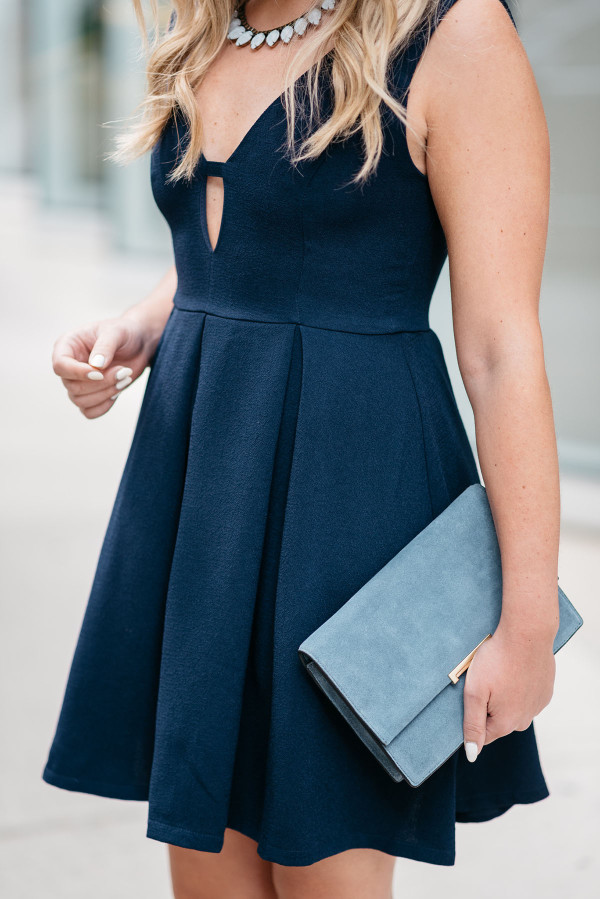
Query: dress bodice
x=303, y=244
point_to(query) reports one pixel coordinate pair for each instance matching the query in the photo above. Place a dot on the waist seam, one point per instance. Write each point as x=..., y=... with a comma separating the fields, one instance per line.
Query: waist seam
x=262, y=321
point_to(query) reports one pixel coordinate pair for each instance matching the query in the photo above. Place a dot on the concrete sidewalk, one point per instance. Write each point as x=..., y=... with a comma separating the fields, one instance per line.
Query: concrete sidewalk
x=60, y=474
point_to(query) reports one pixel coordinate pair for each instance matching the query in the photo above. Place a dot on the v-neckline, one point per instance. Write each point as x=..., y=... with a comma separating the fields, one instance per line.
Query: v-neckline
x=257, y=122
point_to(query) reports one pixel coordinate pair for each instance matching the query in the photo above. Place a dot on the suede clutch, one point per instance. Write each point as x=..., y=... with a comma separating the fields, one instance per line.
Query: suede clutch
x=392, y=659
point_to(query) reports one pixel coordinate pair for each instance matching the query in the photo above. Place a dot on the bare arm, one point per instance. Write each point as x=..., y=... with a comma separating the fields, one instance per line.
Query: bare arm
x=488, y=168
x=154, y=310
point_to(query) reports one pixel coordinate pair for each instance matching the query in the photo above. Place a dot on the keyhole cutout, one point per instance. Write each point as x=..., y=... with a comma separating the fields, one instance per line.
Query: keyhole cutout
x=214, y=205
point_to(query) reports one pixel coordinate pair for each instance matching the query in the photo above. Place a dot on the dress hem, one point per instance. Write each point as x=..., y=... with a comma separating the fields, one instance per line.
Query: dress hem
x=138, y=792
x=188, y=839
x=496, y=804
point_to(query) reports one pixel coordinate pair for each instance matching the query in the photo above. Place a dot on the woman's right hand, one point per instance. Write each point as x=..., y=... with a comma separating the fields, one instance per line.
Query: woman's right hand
x=96, y=362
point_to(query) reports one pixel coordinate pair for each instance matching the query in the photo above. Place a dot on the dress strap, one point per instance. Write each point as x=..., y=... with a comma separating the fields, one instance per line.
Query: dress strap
x=212, y=166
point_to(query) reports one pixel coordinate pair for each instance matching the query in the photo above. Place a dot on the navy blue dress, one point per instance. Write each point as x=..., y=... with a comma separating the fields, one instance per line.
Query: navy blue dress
x=298, y=428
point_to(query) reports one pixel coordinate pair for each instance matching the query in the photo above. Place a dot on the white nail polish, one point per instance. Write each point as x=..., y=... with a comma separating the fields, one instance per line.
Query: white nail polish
x=471, y=750
x=98, y=360
x=115, y=396
x=95, y=375
x=123, y=383
x=123, y=373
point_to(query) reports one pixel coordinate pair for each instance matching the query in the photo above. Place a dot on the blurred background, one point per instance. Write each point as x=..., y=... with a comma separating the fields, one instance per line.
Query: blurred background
x=81, y=239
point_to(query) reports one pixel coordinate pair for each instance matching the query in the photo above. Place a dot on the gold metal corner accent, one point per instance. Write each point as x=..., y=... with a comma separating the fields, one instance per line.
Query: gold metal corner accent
x=462, y=666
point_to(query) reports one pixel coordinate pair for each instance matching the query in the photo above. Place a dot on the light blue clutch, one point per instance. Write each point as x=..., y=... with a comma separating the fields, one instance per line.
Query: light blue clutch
x=391, y=658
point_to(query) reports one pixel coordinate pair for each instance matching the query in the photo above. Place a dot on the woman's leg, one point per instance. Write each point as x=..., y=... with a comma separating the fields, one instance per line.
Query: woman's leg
x=352, y=874
x=236, y=872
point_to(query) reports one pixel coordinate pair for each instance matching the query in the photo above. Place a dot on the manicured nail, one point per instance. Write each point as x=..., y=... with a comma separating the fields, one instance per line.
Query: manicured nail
x=471, y=751
x=123, y=373
x=123, y=383
x=98, y=360
x=115, y=396
x=95, y=375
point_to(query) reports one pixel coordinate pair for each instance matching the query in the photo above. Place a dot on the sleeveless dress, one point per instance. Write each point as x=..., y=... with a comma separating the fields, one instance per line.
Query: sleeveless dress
x=297, y=429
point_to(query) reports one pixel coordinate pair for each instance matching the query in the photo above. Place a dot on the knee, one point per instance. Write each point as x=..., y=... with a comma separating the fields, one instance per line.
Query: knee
x=183, y=890
x=290, y=882
x=353, y=874
x=223, y=890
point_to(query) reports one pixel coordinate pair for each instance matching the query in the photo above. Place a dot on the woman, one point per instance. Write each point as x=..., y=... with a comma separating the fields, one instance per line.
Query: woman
x=298, y=428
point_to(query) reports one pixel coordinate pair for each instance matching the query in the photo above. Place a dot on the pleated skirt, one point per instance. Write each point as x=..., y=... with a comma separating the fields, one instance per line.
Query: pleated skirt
x=274, y=468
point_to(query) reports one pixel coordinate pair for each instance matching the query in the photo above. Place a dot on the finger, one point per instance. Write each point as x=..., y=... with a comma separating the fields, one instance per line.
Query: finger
x=501, y=726
x=496, y=728
x=474, y=720
x=106, y=345
x=77, y=388
x=99, y=409
x=66, y=366
x=118, y=376
x=67, y=353
x=88, y=401
x=524, y=724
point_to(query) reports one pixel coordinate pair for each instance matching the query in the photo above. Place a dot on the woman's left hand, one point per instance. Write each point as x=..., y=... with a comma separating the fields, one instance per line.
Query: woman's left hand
x=509, y=681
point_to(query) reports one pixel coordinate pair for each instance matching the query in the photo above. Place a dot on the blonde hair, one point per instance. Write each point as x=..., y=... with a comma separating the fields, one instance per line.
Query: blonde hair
x=366, y=36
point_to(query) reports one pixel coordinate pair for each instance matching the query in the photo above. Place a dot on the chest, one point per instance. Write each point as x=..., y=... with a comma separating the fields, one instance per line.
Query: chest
x=246, y=194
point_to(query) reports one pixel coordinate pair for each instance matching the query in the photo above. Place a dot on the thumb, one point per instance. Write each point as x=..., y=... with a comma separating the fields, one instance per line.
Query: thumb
x=109, y=339
x=474, y=721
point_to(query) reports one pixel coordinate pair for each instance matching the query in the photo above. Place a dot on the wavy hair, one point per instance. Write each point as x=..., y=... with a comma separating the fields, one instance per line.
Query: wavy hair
x=366, y=36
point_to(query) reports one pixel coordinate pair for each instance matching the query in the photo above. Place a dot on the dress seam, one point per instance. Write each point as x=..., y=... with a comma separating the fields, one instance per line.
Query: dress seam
x=286, y=394
x=423, y=438
x=260, y=321
x=302, y=260
x=307, y=182
x=297, y=401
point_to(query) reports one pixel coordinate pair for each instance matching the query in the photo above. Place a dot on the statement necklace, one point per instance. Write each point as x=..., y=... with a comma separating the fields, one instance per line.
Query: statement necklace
x=241, y=33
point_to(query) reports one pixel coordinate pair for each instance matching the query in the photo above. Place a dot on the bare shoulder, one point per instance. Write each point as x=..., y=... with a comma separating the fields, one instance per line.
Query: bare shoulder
x=475, y=39
x=474, y=61
x=469, y=20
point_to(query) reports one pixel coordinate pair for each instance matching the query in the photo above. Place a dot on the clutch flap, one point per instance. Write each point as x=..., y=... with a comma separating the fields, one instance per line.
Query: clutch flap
x=391, y=647
x=391, y=659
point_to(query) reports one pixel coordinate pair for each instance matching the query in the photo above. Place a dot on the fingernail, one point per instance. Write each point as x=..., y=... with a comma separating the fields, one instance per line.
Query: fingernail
x=95, y=375
x=123, y=372
x=123, y=383
x=97, y=360
x=115, y=396
x=471, y=750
